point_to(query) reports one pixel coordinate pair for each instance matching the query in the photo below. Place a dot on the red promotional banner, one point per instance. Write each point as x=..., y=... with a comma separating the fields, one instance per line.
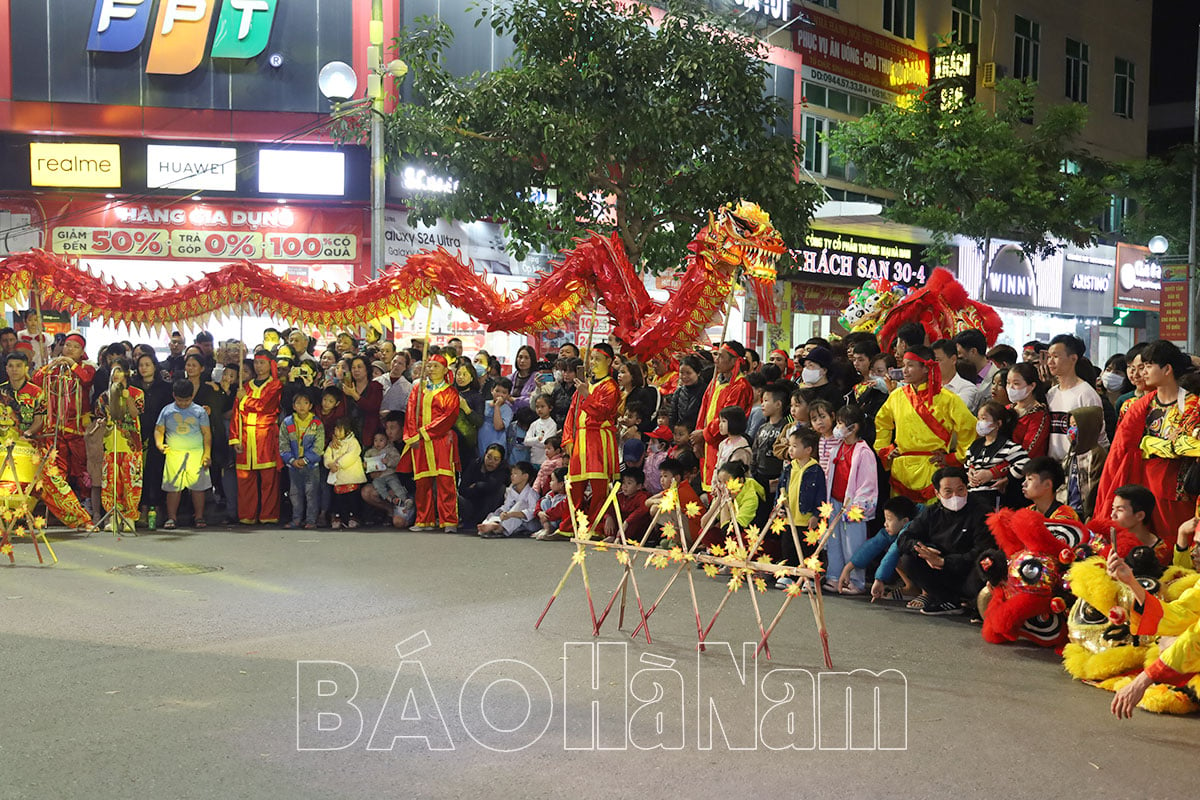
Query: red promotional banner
x=201, y=231
x=856, y=53
x=1173, y=316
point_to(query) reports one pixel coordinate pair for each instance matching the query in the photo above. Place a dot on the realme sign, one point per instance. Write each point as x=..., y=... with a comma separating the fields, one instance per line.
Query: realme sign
x=74, y=164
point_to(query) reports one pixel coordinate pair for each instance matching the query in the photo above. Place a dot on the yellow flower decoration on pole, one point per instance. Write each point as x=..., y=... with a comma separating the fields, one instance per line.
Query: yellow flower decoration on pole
x=855, y=514
x=692, y=509
x=581, y=522
x=760, y=585
x=711, y=570
x=779, y=525
x=734, y=485
x=622, y=557
x=735, y=583
x=717, y=550
x=670, y=499
x=668, y=531
x=601, y=546
x=795, y=589
x=814, y=563
x=676, y=554
x=812, y=536
x=578, y=556
x=659, y=561
x=825, y=510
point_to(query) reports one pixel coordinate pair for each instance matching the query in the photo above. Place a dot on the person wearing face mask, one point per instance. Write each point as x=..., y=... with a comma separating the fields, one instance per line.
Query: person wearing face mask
x=1026, y=397
x=994, y=462
x=1084, y=462
x=814, y=375
x=1112, y=383
x=939, y=549
x=853, y=483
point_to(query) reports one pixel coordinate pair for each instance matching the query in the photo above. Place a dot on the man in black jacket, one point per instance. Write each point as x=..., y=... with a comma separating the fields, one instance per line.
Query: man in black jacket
x=940, y=548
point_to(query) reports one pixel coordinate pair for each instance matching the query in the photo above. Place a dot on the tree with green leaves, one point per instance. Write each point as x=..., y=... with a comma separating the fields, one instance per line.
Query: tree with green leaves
x=639, y=124
x=1162, y=189
x=960, y=169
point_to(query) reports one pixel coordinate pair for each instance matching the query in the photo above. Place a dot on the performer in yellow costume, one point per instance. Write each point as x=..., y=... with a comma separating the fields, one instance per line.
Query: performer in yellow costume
x=921, y=427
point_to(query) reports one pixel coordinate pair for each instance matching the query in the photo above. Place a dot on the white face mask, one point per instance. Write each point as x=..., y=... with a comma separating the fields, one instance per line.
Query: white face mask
x=1112, y=381
x=984, y=428
x=955, y=503
x=880, y=383
x=217, y=372
x=839, y=432
x=558, y=376
x=810, y=375
x=1017, y=395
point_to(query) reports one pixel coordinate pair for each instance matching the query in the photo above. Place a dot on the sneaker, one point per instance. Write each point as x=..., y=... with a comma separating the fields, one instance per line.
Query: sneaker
x=942, y=609
x=353, y=523
x=423, y=528
x=335, y=523
x=450, y=529
x=784, y=582
x=289, y=526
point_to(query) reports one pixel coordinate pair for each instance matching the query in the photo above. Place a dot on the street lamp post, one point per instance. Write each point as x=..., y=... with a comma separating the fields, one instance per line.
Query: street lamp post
x=338, y=83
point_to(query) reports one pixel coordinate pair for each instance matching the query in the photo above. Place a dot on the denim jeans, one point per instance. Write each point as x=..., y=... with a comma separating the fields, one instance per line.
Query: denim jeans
x=389, y=487
x=304, y=493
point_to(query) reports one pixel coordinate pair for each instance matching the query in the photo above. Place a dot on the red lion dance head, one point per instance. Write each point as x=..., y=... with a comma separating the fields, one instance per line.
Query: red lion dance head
x=942, y=307
x=1025, y=598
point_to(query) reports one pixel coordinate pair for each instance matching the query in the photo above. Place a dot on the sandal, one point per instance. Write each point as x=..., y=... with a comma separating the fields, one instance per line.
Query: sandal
x=200, y=524
x=918, y=603
x=169, y=525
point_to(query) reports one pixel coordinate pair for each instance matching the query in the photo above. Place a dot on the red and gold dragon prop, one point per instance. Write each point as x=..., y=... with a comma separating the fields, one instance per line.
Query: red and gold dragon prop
x=736, y=239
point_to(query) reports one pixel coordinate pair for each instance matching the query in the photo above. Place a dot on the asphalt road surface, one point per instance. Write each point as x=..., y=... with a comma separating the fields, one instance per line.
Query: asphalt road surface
x=320, y=664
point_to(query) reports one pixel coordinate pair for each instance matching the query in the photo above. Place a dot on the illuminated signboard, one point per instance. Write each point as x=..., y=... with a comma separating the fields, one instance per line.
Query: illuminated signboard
x=954, y=75
x=191, y=168
x=180, y=31
x=74, y=164
x=841, y=258
x=836, y=47
x=302, y=172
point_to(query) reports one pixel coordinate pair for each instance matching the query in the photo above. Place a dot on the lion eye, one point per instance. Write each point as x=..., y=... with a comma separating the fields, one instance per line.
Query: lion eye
x=1031, y=570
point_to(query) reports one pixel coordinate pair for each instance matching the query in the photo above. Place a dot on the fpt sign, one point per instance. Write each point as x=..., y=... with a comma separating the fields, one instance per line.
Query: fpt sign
x=180, y=30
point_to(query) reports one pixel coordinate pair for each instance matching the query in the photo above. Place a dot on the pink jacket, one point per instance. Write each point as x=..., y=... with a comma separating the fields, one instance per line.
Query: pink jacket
x=862, y=489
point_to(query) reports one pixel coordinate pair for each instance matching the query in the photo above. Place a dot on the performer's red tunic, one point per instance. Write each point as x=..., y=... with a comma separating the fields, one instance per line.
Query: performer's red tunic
x=434, y=410
x=590, y=432
x=717, y=396
x=256, y=426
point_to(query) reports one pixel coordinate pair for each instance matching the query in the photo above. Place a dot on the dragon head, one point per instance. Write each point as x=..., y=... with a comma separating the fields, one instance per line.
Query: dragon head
x=868, y=303
x=743, y=235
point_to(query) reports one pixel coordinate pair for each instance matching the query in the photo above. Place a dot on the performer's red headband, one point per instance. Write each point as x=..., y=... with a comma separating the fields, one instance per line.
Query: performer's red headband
x=730, y=350
x=77, y=339
x=438, y=358
x=928, y=363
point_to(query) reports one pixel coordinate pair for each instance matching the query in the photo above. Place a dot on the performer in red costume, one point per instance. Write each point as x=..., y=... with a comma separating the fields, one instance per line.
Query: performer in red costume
x=67, y=382
x=429, y=443
x=589, y=434
x=254, y=435
x=727, y=388
x=1154, y=440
